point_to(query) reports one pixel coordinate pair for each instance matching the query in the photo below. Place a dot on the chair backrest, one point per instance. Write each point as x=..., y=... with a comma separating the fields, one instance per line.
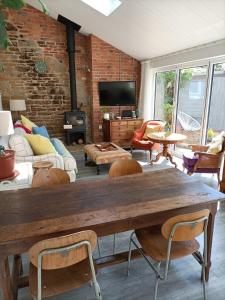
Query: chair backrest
x=141, y=131
x=123, y=167
x=66, y=258
x=50, y=177
x=191, y=227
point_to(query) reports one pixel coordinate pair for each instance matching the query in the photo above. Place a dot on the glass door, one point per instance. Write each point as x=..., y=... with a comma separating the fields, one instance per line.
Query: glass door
x=164, y=96
x=191, y=104
x=216, y=117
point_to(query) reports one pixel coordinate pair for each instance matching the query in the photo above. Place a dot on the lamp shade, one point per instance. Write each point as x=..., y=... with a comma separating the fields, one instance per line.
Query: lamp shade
x=17, y=105
x=6, y=124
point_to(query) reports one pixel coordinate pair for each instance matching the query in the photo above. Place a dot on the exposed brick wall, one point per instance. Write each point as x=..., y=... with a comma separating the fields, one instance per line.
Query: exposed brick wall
x=109, y=64
x=34, y=37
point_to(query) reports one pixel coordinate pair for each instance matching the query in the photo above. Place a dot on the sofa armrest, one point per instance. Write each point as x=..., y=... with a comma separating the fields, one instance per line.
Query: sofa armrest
x=56, y=159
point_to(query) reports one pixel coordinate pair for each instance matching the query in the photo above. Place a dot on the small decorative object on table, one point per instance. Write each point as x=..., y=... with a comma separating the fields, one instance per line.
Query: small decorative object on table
x=106, y=147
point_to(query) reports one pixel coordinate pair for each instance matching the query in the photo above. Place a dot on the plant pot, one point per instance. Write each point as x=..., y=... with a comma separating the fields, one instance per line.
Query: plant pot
x=7, y=164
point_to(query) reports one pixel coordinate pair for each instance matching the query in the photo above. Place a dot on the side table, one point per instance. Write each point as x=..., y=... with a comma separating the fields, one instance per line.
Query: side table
x=165, y=140
x=42, y=165
x=22, y=181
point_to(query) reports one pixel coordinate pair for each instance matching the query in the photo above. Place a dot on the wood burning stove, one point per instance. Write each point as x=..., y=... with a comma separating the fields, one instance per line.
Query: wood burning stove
x=75, y=117
x=78, y=131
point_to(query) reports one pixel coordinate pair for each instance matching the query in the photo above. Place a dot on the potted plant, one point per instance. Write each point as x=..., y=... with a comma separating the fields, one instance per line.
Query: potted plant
x=7, y=163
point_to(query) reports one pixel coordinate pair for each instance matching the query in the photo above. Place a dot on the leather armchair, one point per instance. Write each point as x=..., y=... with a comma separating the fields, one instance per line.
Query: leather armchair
x=139, y=142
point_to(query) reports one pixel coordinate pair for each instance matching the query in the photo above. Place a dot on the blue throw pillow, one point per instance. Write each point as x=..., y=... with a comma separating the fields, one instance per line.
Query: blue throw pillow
x=59, y=147
x=41, y=130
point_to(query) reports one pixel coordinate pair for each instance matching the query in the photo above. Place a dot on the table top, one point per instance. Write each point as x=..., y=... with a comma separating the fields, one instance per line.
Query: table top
x=98, y=204
x=162, y=137
x=42, y=164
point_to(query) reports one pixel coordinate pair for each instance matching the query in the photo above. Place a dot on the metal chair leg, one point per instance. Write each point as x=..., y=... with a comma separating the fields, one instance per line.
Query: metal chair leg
x=99, y=250
x=114, y=243
x=129, y=254
x=157, y=281
x=203, y=282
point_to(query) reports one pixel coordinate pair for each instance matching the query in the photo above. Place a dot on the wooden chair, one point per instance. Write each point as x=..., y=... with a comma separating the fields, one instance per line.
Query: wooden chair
x=174, y=239
x=123, y=167
x=61, y=264
x=42, y=178
x=139, y=142
x=50, y=177
x=204, y=162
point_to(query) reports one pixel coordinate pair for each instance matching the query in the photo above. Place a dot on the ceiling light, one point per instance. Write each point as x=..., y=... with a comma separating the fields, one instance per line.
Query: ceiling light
x=106, y=7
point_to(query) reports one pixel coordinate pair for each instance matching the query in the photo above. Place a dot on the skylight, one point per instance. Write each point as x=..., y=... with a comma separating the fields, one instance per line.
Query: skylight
x=106, y=7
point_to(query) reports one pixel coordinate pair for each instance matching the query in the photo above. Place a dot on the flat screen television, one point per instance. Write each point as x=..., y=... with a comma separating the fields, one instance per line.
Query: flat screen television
x=121, y=93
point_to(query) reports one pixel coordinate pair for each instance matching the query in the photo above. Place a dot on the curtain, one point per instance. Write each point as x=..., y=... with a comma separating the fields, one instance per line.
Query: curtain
x=146, y=102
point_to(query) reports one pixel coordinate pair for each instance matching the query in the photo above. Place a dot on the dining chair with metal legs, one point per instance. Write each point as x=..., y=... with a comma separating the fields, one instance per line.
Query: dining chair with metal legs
x=175, y=239
x=123, y=167
x=61, y=264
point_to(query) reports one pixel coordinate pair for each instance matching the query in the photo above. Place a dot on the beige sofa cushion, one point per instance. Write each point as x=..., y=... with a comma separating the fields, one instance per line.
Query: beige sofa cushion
x=20, y=145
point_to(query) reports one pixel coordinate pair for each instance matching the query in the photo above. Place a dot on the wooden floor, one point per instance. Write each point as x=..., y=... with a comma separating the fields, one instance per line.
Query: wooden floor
x=184, y=276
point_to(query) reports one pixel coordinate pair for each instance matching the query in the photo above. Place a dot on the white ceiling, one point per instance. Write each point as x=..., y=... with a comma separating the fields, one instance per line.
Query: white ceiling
x=148, y=28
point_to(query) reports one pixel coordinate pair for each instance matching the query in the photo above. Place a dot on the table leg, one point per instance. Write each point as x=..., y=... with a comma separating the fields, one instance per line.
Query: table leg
x=5, y=280
x=210, y=230
x=16, y=272
x=171, y=159
x=156, y=159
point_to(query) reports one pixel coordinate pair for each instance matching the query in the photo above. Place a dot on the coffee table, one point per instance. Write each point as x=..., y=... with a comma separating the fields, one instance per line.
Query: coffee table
x=165, y=139
x=104, y=157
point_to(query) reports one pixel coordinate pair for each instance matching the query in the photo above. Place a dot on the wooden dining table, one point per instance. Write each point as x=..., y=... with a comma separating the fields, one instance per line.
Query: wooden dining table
x=106, y=206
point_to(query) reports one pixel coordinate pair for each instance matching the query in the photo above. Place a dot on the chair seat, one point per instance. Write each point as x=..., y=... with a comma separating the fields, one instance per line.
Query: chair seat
x=58, y=281
x=155, y=245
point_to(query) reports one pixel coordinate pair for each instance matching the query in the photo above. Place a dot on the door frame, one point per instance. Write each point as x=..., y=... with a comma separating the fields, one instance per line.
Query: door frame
x=209, y=63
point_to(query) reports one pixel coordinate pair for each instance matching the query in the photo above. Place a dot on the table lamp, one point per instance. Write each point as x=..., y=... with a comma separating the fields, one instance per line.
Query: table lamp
x=7, y=157
x=17, y=105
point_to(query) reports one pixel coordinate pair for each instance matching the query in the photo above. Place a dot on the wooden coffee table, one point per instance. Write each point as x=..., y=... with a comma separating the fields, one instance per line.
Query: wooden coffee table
x=165, y=140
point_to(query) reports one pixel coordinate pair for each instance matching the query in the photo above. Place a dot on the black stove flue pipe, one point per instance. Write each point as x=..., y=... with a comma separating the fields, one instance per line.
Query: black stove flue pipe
x=71, y=29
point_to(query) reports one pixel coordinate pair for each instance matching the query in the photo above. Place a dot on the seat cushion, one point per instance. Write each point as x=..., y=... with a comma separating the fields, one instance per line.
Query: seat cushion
x=155, y=245
x=58, y=281
x=20, y=145
x=40, y=144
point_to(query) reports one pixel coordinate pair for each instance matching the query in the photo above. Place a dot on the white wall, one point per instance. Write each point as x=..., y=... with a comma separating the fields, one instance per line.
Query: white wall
x=210, y=50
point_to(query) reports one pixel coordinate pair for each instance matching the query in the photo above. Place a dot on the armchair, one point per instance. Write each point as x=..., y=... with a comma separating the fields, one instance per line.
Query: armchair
x=140, y=142
x=203, y=162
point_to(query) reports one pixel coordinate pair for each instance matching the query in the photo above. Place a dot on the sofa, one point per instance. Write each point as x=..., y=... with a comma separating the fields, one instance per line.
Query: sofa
x=24, y=153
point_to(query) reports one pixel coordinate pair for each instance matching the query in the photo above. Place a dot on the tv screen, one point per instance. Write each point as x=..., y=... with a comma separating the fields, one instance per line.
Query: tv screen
x=117, y=93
